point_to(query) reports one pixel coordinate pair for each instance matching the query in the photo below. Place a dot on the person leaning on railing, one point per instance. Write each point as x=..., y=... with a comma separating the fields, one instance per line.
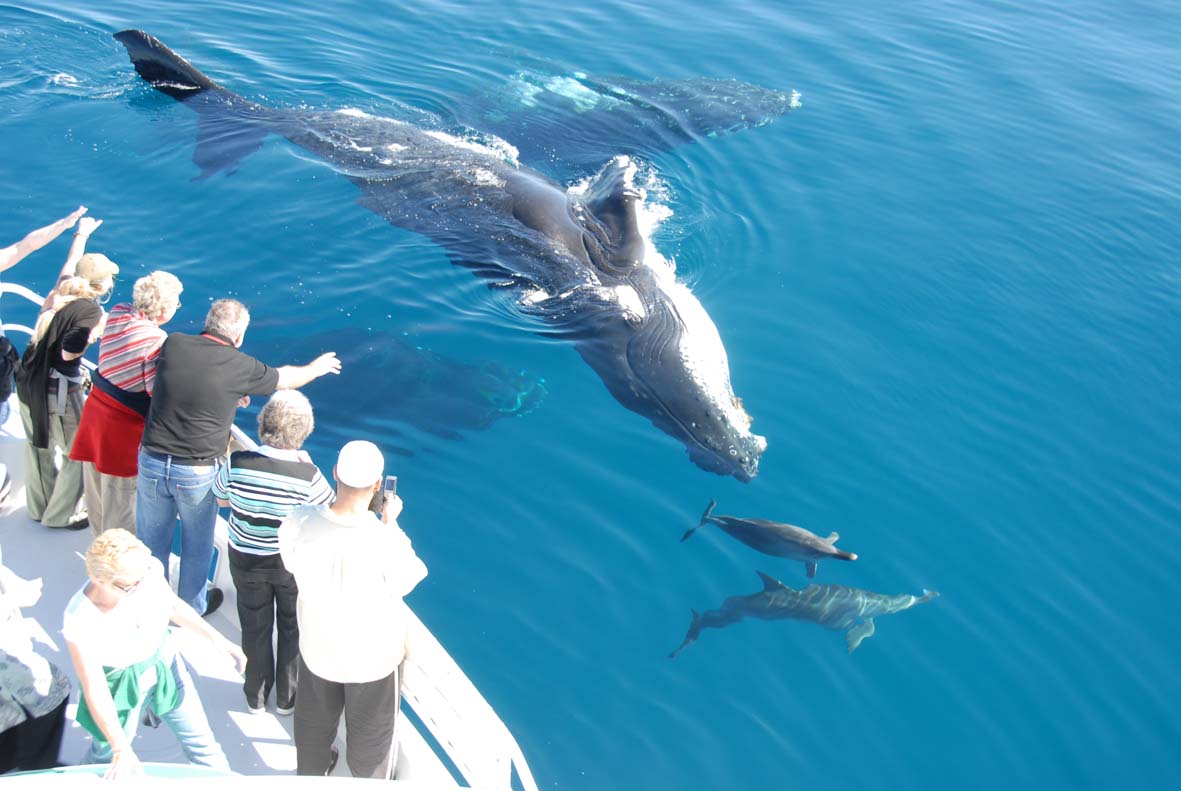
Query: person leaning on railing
x=112, y=422
x=261, y=487
x=49, y=382
x=201, y=380
x=32, y=242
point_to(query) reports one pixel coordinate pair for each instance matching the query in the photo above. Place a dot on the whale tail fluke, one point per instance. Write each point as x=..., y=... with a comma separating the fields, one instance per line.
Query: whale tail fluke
x=228, y=127
x=709, y=509
x=164, y=70
x=690, y=636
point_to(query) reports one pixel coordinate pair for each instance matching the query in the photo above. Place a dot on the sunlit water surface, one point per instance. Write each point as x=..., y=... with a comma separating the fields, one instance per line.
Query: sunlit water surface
x=948, y=286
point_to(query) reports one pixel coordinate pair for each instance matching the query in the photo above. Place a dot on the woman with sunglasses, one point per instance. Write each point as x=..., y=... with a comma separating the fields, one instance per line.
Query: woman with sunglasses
x=117, y=630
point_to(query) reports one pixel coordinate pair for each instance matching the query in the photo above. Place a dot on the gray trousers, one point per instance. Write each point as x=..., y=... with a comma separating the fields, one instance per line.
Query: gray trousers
x=53, y=481
x=370, y=710
x=110, y=500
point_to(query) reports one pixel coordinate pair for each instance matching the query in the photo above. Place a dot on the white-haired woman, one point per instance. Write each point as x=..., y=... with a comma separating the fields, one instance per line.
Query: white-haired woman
x=116, y=628
x=49, y=381
x=107, y=442
x=261, y=488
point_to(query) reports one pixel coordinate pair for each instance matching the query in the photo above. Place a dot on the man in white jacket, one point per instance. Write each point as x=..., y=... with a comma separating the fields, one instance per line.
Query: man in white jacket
x=352, y=569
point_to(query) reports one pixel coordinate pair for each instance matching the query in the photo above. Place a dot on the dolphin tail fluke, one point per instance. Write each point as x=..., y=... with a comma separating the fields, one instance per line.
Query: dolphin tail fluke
x=858, y=634
x=690, y=636
x=927, y=596
x=228, y=129
x=709, y=509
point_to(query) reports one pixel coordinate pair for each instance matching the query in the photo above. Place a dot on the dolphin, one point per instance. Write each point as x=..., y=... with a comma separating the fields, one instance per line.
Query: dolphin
x=577, y=257
x=777, y=538
x=849, y=610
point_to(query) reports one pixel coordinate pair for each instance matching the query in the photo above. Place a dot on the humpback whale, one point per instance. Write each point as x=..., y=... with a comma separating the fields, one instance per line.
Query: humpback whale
x=777, y=538
x=577, y=256
x=848, y=610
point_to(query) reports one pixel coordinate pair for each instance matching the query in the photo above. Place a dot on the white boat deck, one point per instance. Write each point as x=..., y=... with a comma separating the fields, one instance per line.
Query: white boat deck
x=473, y=748
x=462, y=723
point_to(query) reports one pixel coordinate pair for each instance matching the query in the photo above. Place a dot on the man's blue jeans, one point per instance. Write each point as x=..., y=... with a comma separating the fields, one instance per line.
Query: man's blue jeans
x=165, y=490
x=187, y=720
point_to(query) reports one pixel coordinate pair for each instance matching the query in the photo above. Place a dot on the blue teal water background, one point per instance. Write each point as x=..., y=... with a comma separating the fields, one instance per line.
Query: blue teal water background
x=949, y=290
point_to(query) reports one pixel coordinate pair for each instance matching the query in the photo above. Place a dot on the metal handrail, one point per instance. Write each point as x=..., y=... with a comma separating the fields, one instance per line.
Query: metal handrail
x=459, y=718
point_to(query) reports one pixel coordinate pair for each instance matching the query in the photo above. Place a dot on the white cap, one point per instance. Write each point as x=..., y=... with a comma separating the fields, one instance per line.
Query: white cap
x=359, y=464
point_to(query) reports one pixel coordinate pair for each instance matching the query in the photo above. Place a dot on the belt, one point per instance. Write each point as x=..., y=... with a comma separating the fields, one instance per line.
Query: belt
x=182, y=460
x=65, y=384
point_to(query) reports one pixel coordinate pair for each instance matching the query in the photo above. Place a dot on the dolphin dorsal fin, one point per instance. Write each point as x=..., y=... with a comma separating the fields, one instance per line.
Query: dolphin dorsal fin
x=832, y=538
x=769, y=582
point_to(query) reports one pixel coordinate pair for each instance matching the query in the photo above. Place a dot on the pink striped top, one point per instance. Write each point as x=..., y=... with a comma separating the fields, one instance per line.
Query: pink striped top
x=129, y=348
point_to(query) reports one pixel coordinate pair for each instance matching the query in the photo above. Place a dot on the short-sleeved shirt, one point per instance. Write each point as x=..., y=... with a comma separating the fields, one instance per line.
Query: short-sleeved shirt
x=129, y=632
x=199, y=379
x=262, y=488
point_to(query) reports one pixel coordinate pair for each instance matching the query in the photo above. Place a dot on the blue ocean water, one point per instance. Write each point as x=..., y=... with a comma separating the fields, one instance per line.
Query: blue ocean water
x=948, y=287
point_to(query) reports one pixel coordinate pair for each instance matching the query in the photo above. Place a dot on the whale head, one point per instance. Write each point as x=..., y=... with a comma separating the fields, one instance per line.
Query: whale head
x=668, y=363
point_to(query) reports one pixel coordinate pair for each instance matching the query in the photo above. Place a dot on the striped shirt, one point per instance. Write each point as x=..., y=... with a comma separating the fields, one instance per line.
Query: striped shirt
x=263, y=487
x=128, y=350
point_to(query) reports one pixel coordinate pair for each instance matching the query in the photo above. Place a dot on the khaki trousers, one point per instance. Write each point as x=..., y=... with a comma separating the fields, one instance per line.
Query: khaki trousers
x=110, y=500
x=53, y=482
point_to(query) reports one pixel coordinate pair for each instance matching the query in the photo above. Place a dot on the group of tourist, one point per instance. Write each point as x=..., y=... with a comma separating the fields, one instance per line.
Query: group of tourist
x=145, y=455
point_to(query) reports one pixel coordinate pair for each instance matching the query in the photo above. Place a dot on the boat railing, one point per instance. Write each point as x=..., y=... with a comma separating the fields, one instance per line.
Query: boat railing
x=461, y=721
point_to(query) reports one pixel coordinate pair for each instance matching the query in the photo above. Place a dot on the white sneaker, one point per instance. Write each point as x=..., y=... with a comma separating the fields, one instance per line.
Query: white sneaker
x=282, y=712
x=260, y=710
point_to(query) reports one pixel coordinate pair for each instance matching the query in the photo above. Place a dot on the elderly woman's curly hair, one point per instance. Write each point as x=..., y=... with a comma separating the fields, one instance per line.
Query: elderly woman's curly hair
x=286, y=420
x=156, y=293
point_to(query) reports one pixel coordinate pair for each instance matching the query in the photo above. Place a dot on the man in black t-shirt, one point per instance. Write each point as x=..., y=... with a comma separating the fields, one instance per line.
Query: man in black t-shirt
x=200, y=382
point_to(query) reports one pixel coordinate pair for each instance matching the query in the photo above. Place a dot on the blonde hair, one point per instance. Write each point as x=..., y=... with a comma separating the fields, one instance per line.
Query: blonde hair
x=116, y=553
x=68, y=290
x=155, y=293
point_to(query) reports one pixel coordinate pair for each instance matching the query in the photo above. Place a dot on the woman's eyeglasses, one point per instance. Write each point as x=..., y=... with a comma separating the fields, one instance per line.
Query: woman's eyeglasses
x=127, y=588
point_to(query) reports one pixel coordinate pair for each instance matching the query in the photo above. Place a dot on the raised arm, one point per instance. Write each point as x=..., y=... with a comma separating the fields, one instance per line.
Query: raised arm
x=292, y=377
x=10, y=256
x=86, y=226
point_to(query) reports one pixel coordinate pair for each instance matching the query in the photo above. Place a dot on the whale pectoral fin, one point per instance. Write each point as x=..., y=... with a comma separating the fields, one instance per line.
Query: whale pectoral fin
x=811, y=568
x=611, y=196
x=832, y=538
x=858, y=633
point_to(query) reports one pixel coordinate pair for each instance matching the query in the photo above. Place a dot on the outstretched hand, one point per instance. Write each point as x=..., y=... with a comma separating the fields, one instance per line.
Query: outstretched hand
x=326, y=363
x=73, y=216
x=88, y=225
